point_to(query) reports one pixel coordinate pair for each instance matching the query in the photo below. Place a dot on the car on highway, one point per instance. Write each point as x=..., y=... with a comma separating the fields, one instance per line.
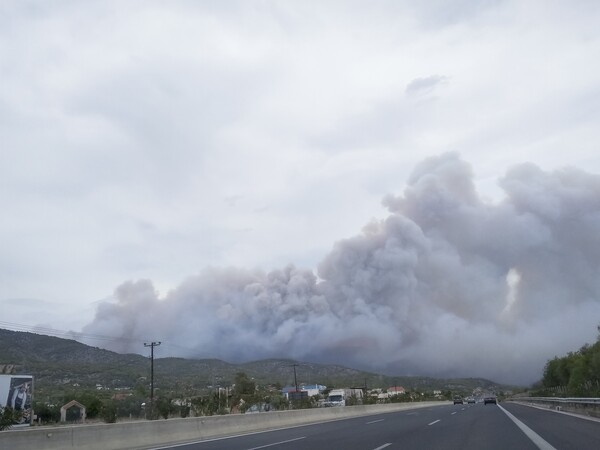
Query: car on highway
x=489, y=399
x=471, y=400
x=458, y=400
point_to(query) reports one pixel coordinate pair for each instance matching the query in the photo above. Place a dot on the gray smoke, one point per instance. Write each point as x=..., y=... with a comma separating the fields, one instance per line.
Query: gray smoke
x=447, y=285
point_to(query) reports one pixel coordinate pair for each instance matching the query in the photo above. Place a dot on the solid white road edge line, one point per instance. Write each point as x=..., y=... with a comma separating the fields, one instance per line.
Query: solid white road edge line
x=532, y=435
x=566, y=413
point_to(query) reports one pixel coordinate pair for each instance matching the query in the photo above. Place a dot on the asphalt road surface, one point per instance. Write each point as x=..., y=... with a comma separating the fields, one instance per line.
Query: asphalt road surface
x=461, y=427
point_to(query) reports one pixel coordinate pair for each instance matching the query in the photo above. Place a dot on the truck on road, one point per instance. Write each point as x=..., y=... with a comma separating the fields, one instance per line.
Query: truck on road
x=343, y=397
x=337, y=397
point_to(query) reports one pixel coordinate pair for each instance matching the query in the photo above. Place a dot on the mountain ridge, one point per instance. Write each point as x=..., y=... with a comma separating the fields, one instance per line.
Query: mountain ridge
x=56, y=361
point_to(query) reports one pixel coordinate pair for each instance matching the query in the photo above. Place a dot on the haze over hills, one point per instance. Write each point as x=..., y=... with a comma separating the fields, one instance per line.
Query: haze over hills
x=58, y=362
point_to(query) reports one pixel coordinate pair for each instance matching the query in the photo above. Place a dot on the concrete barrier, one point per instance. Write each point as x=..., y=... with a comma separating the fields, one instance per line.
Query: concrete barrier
x=147, y=434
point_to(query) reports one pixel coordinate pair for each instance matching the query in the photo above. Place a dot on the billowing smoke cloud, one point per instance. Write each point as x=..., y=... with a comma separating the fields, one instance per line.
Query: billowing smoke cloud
x=447, y=285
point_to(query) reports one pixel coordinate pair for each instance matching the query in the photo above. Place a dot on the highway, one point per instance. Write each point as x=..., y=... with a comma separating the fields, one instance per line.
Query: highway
x=462, y=427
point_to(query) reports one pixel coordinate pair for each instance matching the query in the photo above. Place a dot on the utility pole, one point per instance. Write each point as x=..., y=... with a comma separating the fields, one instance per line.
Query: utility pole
x=151, y=345
x=295, y=379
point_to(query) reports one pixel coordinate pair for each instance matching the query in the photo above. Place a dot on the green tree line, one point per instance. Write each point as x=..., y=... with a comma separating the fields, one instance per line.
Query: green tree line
x=576, y=375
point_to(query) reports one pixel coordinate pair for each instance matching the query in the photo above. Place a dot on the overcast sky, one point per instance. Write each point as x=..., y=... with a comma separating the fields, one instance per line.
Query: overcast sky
x=151, y=146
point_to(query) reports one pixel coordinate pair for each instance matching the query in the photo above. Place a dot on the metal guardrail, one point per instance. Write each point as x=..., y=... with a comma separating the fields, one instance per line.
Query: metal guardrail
x=577, y=405
x=583, y=401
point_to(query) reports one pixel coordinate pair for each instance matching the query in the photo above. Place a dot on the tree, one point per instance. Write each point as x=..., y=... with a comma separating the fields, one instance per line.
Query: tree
x=130, y=406
x=93, y=404
x=577, y=373
x=244, y=386
x=109, y=411
x=278, y=402
x=352, y=400
x=46, y=413
x=369, y=399
x=244, y=393
x=8, y=417
x=164, y=406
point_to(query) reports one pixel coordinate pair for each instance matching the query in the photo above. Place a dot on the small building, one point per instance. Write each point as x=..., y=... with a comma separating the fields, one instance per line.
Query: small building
x=396, y=390
x=306, y=390
x=74, y=406
x=313, y=389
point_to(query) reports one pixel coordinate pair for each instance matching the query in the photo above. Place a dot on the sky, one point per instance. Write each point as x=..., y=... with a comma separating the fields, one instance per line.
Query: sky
x=404, y=187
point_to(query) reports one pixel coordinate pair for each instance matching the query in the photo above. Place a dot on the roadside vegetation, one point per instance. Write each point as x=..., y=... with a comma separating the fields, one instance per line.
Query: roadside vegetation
x=8, y=416
x=575, y=375
x=244, y=395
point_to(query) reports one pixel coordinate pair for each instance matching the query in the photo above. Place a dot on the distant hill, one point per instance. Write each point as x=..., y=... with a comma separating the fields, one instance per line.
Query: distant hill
x=56, y=362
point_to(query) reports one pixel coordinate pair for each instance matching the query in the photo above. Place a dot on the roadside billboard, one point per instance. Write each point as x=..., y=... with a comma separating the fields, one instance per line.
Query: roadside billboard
x=16, y=392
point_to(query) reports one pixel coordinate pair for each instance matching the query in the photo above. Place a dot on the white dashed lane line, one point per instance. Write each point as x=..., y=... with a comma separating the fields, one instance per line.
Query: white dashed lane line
x=277, y=443
x=383, y=446
x=375, y=421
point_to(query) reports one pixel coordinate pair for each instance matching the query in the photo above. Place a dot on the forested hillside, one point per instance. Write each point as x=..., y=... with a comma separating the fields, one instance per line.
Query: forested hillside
x=577, y=374
x=57, y=362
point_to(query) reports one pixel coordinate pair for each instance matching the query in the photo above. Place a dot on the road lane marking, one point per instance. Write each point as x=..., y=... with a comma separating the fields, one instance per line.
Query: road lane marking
x=532, y=435
x=383, y=446
x=434, y=422
x=277, y=443
x=453, y=413
x=375, y=421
